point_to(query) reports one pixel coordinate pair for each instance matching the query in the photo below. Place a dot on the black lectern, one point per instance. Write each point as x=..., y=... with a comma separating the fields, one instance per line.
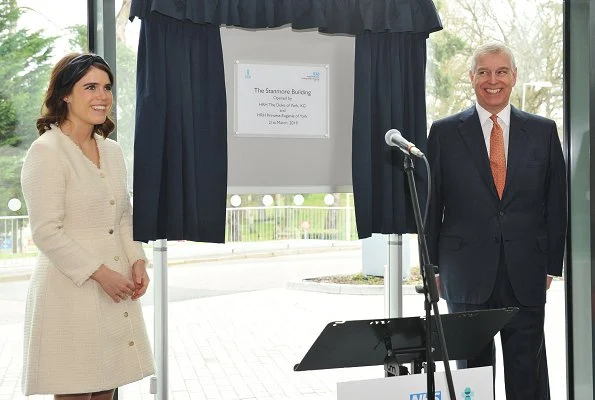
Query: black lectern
x=361, y=343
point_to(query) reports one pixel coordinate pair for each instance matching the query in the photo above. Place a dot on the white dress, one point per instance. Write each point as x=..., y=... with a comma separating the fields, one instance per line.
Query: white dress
x=77, y=339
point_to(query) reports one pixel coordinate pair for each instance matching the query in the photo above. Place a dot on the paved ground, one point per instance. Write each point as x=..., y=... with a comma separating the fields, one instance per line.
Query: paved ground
x=182, y=252
x=236, y=330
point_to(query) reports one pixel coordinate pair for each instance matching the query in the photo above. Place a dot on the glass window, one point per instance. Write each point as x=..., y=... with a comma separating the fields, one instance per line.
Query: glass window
x=34, y=34
x=239, y=318
x=534, y=31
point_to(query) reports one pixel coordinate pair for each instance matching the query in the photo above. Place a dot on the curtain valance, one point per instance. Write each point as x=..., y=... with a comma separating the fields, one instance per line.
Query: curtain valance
x=328, y=16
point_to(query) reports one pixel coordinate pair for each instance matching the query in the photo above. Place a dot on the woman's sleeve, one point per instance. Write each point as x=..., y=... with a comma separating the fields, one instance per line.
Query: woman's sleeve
x=43, y=180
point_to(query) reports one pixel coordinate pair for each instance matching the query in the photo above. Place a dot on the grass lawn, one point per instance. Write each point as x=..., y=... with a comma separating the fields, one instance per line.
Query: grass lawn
x=9, y=255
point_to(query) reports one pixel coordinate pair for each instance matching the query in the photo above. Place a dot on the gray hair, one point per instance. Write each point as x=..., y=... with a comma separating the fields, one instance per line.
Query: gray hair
x=492, y=48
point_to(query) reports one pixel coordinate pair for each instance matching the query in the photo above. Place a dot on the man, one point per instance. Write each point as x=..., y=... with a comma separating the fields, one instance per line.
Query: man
x=497, y=220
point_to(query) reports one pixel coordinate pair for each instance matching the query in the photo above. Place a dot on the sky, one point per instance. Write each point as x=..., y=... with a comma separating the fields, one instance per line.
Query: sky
x=54, y=16
x=50, y=16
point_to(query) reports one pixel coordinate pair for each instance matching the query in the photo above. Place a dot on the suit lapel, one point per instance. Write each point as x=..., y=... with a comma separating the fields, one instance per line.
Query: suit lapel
x=472, y=134
x=517, y=143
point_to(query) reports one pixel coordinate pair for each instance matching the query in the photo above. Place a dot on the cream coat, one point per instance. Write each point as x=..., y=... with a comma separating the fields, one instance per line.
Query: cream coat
x=77, y=339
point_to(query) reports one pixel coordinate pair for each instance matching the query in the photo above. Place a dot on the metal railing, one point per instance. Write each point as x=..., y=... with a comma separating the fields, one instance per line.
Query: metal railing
x=243, y=224
x=253, y=224
x=12, y=239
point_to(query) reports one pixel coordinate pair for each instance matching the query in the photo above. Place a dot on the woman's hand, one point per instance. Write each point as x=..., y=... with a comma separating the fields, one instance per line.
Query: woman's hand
x=140, y=278
x=116, y=285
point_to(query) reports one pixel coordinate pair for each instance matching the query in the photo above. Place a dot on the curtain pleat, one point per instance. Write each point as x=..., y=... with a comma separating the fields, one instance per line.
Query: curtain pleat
x=180, y=148
x=389, y=93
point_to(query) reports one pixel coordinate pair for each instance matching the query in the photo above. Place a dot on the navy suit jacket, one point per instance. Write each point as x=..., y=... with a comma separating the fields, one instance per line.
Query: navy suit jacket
x=467, y=222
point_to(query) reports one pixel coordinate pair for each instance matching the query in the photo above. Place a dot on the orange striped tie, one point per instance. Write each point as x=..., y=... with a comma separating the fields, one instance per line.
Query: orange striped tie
x=497, y=156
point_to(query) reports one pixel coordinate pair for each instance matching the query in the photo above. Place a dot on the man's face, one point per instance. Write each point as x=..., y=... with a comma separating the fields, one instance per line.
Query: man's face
x=493, y=80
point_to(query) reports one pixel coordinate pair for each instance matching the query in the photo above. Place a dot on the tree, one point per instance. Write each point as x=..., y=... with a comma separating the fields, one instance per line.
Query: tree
x=24, y=73
x=8, y=122
x=79, y=41
x=532, y=28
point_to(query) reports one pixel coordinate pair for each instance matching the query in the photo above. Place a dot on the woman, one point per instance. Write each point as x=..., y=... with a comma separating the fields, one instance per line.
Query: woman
x=84, y=331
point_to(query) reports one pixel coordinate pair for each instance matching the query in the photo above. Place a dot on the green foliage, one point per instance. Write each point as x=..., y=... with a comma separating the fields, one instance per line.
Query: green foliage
x=363, y=279
x=532, y=28
x=23, y=77
x=10, y=170
x=8, y=122
x=6, y=256
x=79, y=40
x=23, y=72
x=354, y=279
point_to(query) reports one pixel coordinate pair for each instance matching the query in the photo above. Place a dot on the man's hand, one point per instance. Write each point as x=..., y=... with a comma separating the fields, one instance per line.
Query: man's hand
x=116, y=285
x=548, y=282
x=140, y=278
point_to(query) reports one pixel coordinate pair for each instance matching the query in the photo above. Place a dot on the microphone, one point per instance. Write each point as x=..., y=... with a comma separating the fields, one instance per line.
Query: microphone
x=394, y=138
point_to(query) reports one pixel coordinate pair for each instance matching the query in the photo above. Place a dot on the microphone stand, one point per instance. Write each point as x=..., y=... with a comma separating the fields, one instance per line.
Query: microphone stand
x=430, y=291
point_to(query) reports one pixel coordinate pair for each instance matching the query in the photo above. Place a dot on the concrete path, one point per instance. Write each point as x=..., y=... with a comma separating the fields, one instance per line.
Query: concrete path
x=236, y=329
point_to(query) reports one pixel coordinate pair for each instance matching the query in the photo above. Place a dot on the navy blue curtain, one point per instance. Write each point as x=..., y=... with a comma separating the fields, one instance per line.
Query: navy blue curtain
x=180, y=168
x=389, y=93
x=180, y=147
x=330, y=16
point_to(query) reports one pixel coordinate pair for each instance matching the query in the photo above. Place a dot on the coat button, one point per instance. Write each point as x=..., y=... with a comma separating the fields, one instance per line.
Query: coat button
x=110, y=231
x=116, y=258
x=125, y=314
x=501, y=213
x=112, y=202
x=131, y=343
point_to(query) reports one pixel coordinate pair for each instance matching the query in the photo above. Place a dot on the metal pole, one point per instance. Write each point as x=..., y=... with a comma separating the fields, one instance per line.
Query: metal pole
x=347, y=218
x=393, y=283
x=14, y=236
x=20, y=224
x=160, y=310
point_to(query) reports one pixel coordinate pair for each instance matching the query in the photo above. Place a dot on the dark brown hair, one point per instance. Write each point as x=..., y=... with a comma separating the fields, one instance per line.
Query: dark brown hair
x=65, y=74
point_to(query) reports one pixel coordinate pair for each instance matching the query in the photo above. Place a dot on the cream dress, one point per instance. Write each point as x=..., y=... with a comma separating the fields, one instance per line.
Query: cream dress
x=77, y=339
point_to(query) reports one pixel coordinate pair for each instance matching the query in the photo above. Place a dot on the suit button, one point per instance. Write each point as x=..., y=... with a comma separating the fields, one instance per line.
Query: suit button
x=125, y=314
x=110, y=231
x=112, y=202
x=501, y=213
x=116, y=258
x=131, y=343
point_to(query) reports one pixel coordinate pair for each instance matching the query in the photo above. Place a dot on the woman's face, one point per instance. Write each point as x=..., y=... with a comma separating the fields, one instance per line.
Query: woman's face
x=91, y=99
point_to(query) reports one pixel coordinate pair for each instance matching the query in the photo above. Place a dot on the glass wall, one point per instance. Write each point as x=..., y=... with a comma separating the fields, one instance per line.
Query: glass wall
x=580, y=83
x=34, y=34
x=532, y=28
x=242, y=314
x=534, y=31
